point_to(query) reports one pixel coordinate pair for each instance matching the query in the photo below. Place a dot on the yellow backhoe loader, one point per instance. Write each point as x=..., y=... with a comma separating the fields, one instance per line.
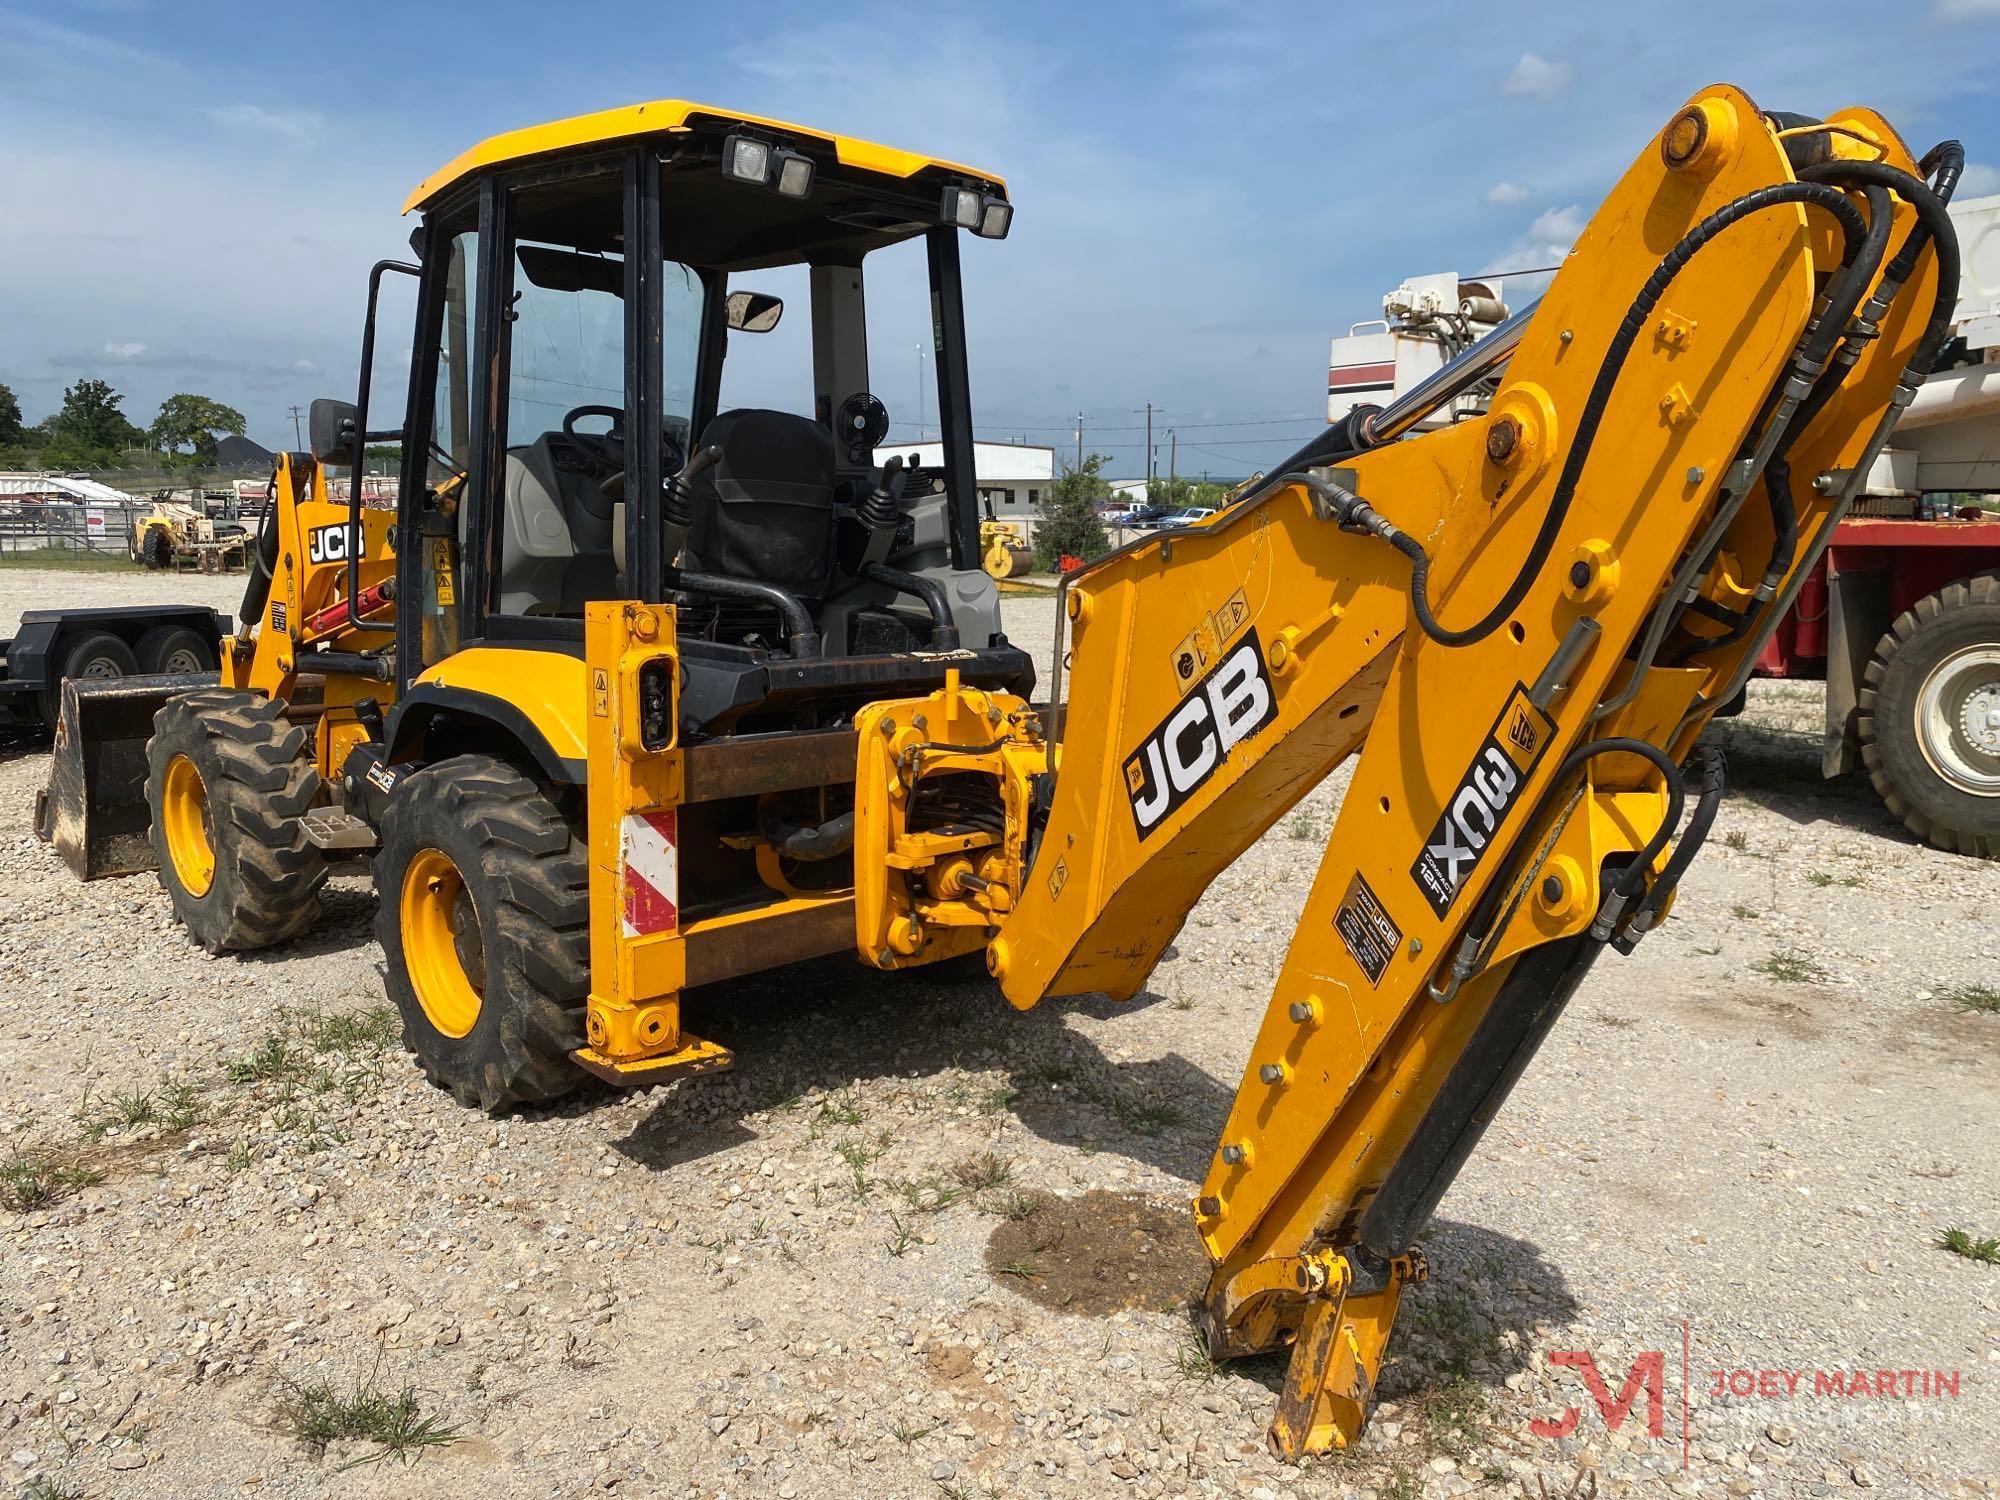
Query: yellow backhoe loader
x=637, y=691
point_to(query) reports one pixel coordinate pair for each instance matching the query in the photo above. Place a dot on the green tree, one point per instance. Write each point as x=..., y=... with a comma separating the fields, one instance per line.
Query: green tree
x=90, y=417
x=194, y=423
x=1068, y=523
x=11, y=430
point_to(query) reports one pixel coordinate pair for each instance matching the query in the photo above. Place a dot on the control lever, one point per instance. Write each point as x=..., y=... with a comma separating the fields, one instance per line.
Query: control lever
x=677, y=501
x=881, y=512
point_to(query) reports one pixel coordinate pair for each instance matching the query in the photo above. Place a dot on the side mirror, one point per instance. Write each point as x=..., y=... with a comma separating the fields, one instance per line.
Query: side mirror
x=754, y=312
x=335, y=437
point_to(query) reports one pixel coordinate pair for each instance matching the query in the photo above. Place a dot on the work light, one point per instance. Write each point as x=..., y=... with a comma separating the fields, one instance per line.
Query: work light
x=746, y=159
x=795, y=174
x=960, y=207
x=994, y=219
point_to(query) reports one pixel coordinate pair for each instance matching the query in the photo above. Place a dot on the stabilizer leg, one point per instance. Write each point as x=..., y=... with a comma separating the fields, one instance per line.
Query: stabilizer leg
x=1330, y=1385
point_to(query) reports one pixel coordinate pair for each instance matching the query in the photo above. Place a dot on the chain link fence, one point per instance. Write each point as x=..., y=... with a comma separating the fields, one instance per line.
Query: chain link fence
x=64, y=526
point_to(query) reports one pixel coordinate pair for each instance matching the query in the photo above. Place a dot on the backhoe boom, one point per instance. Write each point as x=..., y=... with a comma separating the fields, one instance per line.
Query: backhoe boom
x=1522, y=623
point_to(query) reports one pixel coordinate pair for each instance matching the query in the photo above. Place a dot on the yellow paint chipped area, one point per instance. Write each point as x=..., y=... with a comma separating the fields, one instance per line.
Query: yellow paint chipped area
x=661, y=115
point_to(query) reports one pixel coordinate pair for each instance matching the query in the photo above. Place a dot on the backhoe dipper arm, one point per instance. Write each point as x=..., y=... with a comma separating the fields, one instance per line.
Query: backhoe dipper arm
x=1523, y=623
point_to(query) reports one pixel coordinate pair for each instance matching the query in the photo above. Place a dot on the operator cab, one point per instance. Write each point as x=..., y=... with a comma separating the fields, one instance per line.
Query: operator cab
x=579, y=448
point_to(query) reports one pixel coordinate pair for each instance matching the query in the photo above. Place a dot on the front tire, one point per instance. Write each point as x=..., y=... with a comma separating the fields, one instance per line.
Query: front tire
x=228, y=780
x=484, y=917
x=1929, y=721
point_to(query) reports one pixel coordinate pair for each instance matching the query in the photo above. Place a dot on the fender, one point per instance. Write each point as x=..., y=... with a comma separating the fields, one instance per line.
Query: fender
x=428, y=703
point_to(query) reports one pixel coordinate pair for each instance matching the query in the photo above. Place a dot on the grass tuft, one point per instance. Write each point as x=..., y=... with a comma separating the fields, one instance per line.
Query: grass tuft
x=1788, y=966
x=983, y=1171
x=318, y=1415
x=31, y=1180
x=1960, y=1243
x=1980, y=999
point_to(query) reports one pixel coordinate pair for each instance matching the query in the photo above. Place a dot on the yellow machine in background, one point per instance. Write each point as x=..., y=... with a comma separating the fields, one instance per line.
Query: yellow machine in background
x=1003, y=549
x=621, y=711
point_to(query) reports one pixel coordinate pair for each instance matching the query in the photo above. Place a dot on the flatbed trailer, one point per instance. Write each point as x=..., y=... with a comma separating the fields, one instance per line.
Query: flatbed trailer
x=99, y=645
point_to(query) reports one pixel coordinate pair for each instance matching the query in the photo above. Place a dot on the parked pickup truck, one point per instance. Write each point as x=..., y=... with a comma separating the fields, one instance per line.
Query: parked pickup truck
x=140, y=640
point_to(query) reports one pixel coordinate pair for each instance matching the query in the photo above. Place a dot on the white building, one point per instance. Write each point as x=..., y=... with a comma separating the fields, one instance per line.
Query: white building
x=1012, y=478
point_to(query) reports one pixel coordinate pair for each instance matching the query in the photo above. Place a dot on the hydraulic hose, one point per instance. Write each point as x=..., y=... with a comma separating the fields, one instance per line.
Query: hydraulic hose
x=1811, y=358
x=1933, y=224
x=1875, y=180
x=1708, y=801
x=1485, y=922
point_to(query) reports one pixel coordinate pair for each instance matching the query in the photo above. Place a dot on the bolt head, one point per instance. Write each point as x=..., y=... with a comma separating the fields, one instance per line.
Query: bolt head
x=1272, y=1073
x=1684, y=138
x=1579, y=575
x=1301, y=1011
x=1502, y=438
x=1696, y=473
x=1233, y=1155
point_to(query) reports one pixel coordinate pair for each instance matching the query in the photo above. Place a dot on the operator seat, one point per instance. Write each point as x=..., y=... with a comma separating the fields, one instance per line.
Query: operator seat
x=764, y=510
x=556, y=533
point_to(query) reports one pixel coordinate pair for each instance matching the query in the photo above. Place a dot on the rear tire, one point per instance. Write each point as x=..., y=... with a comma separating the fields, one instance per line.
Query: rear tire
x=484, y=918
x=95, y=656
x=228, y=780
x=157, y=550
x=1929, y=720
x=174, y=650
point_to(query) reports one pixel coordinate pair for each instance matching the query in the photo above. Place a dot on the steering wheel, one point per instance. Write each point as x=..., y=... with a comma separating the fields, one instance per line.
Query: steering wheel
x=608, y=448
x=860, y=425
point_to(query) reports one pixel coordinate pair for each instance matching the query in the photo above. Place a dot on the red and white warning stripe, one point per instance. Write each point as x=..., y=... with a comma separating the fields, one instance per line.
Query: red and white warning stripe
x=651, y=870
x=1379, y=376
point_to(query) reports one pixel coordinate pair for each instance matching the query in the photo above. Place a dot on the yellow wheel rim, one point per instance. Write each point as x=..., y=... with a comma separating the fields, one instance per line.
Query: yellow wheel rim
x=442, y=945
x=184, y=816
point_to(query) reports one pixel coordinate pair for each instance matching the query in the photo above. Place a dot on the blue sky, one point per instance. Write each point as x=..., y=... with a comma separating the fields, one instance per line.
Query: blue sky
x=1207, y=191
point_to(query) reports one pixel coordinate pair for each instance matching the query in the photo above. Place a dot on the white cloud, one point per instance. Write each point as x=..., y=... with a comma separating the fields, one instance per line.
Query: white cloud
x=1978, y=180
x=1965, y=10
x=1535, y=77
x=295, y=126
x=1506, y=194
x=125, y=351
x=1546, y=242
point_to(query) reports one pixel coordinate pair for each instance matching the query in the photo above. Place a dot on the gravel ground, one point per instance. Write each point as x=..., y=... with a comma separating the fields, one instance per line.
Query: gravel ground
x=919, y=1245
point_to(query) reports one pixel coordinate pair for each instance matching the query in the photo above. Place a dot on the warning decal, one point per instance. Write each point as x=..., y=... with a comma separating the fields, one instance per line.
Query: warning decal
x=1371, y=936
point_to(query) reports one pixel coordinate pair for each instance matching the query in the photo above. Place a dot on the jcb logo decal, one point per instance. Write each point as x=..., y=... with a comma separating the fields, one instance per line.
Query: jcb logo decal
x=327, y=544
x=1484, y=796
x=1224, y=709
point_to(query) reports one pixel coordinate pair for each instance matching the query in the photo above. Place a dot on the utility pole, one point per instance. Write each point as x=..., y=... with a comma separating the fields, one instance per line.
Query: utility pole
x=1173, y=460
x=1079, y=441
x=297, y=436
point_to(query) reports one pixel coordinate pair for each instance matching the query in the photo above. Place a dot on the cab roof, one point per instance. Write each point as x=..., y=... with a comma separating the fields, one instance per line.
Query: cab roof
x=675, y=116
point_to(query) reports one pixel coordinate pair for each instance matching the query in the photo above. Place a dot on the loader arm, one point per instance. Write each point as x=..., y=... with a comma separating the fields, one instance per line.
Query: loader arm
x=1521, y=623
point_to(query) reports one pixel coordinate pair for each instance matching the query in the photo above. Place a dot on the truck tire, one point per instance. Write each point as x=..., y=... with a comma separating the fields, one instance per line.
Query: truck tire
x=175, y=650
x=157, y=550
x=94, y=656
x=484, y=918
x=1929, y=720
x=228, y=780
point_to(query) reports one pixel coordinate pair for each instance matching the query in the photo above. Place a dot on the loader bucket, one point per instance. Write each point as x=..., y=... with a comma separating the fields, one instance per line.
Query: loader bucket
x=94, y=807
